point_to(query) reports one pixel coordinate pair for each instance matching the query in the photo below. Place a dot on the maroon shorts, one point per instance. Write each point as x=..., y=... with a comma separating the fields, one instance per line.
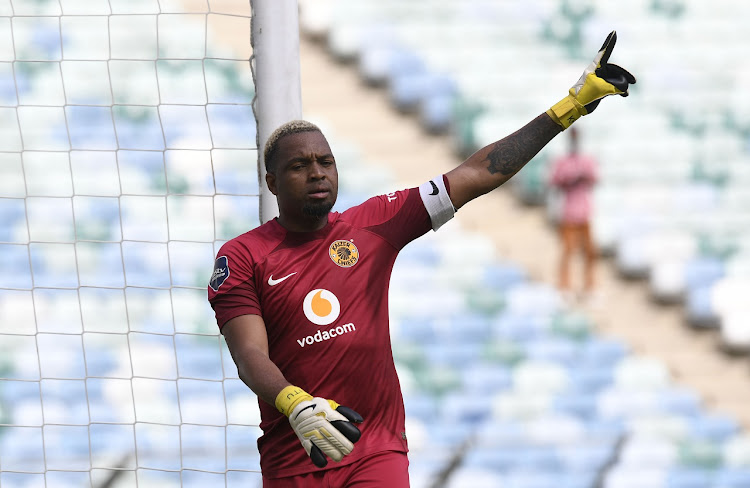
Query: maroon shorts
x=383, y=469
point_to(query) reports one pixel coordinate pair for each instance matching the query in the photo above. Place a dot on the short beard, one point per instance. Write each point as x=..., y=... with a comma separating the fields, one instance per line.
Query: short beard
x=317, y=210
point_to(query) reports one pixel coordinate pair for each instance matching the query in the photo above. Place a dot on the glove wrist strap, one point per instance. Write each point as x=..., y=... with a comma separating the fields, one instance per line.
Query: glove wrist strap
x=566, y=111
x=290, y=397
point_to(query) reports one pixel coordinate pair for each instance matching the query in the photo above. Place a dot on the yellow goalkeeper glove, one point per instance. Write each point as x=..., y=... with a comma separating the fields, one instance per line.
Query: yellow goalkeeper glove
x=599, y=80
x=324, y=427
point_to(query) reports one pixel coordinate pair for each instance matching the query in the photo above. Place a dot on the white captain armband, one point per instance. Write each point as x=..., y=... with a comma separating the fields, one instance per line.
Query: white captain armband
x=437, y=201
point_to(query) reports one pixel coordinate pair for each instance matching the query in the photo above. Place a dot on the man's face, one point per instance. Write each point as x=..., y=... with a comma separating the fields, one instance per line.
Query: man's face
x=305, y=179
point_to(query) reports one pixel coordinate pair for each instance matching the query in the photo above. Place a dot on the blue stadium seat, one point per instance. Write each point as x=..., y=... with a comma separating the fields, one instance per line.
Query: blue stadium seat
x=547, y=479
x=111, y=442
x=14, y=263
x=502, y=276
x=12, y=215
x=732, y=478
x=67, y=448
x=196, y=359
x=585, y=379
x=242, y=479
x=447, y=436
x=680, y=477
x=704, y=271
x=520, y=326
x=241, y=448
x=199, y=479
x=699, y=308
x=587, y=457
x=580, y=404
x=91, y=127
x=681, y=401
x=23, y=449
x=203, y=448
x=475, y=477
x=558, y=350
x=464, y=407
x=602, y=352
x=714, y=427
x=421, y=406
x=485, y=376
x=513, y=457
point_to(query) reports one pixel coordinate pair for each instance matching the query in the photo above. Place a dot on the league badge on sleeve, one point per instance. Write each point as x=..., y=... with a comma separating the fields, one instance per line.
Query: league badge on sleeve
x=220, y=274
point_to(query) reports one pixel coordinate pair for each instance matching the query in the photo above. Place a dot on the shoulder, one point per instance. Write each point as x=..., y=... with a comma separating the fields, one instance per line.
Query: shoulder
x=236, y=259
x=252, y=246
x=380, y=208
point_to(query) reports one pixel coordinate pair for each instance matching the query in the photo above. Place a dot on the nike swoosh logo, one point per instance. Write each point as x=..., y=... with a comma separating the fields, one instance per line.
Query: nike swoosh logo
x=309, y=406
x=273, y=282
x=434, y=188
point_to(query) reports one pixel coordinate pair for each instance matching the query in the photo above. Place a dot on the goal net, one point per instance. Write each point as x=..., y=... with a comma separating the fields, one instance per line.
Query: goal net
x=127, y=157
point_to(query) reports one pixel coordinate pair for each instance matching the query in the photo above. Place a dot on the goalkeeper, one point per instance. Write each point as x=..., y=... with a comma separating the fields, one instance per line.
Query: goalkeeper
x=302, y=299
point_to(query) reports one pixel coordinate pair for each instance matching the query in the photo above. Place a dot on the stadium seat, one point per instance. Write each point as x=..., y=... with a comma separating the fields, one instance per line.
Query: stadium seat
x=601, y=352
x=561, y=351
x=714, y=427
x=586, y=457
x=628, y=477
x=555, y=428
x=482, y=376
x=680, y=477
x=728, y=298
x=699, y=310
x=474, y=477
x=736, y=451
x=580, y=404
x=540, y=377
x=586, y=379
x=516, y=406
x=198, y=359
x=640, y=373
x=67, y=479
x=509, y=458
x=700, y=453
x=732, y=478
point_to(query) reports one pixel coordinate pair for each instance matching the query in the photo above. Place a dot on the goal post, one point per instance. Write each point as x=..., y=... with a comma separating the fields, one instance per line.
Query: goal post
x=277, y=78
x=129, y=153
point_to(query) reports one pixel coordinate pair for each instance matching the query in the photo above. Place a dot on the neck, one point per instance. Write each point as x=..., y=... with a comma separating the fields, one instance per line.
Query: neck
x=306, y=223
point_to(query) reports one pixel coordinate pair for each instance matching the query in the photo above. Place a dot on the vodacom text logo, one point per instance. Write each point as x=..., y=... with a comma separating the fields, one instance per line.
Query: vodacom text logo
x=321, y=307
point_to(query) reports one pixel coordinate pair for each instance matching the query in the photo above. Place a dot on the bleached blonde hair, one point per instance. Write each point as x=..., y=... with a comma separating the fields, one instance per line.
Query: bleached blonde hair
x=289, y=128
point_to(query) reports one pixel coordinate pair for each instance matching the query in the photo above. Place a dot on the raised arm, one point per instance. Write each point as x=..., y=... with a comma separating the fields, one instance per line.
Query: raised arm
x=494, y=164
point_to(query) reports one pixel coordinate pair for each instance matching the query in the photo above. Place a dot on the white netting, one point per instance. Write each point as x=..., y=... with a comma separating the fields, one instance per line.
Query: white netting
x=127, y=156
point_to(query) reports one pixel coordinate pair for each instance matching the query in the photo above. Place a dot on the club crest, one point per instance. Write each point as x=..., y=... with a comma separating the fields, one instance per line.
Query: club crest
x=344, y=253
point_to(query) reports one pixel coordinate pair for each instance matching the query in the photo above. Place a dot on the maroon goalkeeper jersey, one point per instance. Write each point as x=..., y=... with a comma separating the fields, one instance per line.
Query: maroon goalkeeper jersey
x=323, y=296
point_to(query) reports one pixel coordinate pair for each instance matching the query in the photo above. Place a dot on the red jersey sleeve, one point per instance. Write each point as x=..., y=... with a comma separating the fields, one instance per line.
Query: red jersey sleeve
x=402, y=216
x=231, y=289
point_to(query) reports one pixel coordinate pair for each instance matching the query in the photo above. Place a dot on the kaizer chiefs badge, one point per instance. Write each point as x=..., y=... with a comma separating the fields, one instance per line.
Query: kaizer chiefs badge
x=344, y=253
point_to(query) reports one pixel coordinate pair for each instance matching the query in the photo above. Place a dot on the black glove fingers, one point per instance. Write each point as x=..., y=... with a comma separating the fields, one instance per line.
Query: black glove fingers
x=607, y=47
x=619, y=77
x=318, y=458
x=350, y=414
x=626, y=73
x=349, y=430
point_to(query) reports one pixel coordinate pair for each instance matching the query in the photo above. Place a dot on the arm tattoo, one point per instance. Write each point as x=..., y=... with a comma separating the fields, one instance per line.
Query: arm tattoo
x=511, y=153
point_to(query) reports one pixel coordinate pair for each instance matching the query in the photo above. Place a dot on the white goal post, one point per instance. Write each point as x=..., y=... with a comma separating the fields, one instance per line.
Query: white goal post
x=277, y=78
x=129, y=136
